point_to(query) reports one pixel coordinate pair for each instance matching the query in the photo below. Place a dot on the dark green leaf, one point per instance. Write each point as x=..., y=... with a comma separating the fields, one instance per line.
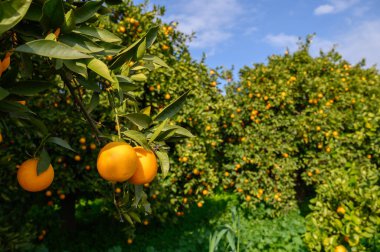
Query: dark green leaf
x=164, y=162
x=138, y=137
x=126, y=84
x=60, y=142
x=94, y=102
x=34, y=12
x=101, y=34
x=114, y=2
x=172, y=108
x=151, y=36
x=80, y=43
x=134, y=216
x=11, y=12
x=43, y=162
x=89, y=84
x=52, y=49
x=53, y=14
x=30, y=88
x=76, y=67
x=69, y=23
x=100, y=68
x=3, y=93
x=13, y=107
x=138, y=195
x=87, y=11
x=140, y=120
x=158, y=130
x=141, y=49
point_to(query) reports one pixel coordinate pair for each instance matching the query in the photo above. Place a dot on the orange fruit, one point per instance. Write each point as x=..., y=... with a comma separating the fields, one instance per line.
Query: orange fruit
x=62, y=196
x=1, y=137
x=130, y=241
x=92, y=146
x=200, y=204
x=121, y=29
x=77, y=158
x=29, y=180
x=341, y=210
x=50, y=203
x=205, y=192
x=22, y=102
x=82, y=140
x=146, y=167
x=109, y=57
x=48, y=193
x=117, y=190
x=87, y=167
x=117, y=161
x=340, y=248
x=146, y=222
x=167, y=96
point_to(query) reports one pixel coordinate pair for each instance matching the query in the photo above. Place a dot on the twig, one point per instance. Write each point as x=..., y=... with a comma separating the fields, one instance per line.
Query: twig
x=67, y=81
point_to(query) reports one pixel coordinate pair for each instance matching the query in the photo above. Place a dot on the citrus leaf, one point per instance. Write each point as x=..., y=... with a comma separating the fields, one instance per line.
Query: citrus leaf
x=3, y=93
x=89, y=84
x=155, y=60
x=53, y=14
x=80, y=43
x=87, y=11
x=139, y=77
x=138, y=195
x=100, y=68
x=30, y=88
x=60, y=142
x=141, y=120
x=126, y=84
x=93, y=103
x=69, y=23
x=76, y=67
x=172, y=108
x=164, y=162
x=138, y=137
x=43, y=162
x=52, y=49
x=141, y=49
x=151, y=36
x=12, y=12
x=101, y=34
x=158, y=130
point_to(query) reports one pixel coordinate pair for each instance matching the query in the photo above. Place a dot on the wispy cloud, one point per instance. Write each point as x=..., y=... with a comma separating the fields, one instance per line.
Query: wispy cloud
x=360, y=42
x=334, y=6
x=211, y=20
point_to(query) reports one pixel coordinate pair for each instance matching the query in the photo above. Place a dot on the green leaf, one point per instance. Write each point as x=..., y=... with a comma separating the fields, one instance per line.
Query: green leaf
x=53, y=14
x=164, y=162
x=138, y=137
x=134, y=216
x=158, y=131
x=172, y=108
x=3, y=93
x=76, y=67
x=60, y=142
x=146, y=111
x=139, y=77
x=89, y=84
x=126, y=84
x=114, y=2
x=128, y=218
x=141, y=49
x=69, y=23
x=52, y=49
x=12, y=12
x=156, y=60
x=101, y=34
x=13, y=107
x=100, y=68
x=43, y=162
x=141, y=120
x=87, y=11
x=80, y=43
x=151, y=36
x=30, y=88
x=93, y=103
x=138, y=195
x=34, y=12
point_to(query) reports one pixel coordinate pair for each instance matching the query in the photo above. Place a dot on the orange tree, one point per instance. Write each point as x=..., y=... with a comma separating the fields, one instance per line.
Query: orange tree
x=65, y=79
x=301, y=127
x=194, y=161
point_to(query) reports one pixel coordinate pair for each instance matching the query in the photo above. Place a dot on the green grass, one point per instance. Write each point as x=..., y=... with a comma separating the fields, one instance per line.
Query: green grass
x=96, y=231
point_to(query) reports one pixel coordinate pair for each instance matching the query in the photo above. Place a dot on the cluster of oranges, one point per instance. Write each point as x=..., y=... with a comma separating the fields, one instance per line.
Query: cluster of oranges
x=117, y=162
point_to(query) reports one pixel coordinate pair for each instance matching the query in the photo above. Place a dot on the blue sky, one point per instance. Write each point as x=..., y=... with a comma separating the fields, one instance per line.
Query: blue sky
x=243, y=32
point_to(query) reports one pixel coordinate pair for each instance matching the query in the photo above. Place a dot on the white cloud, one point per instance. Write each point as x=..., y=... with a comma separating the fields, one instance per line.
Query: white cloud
x=324, y=9
x=211, y=20
x=354, y=45
x=362, y=42
x=283, y=41
x=335, y=6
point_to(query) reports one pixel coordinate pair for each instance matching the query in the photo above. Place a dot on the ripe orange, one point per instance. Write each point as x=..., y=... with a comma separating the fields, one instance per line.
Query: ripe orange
x=82, y=140
x=341, y=210
x=146, y=222
x=1, y=137
x=117, y=190
x=200, y=204
x=87, y=167
x=62, y=196
x=29, y=180
x=151, y=88
x=196, y=171
x=109, y=57
x=165, y=47
x=248, y=198
x=92, y=146
x=285, y=155
x=121, y=29
x=48, y=193
x=50, y=203
x=77, y=158
x=130, y=241
x=167, y=96
x=146, y=167
x=117, y=161
x=340, y=248
x=205, y=192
